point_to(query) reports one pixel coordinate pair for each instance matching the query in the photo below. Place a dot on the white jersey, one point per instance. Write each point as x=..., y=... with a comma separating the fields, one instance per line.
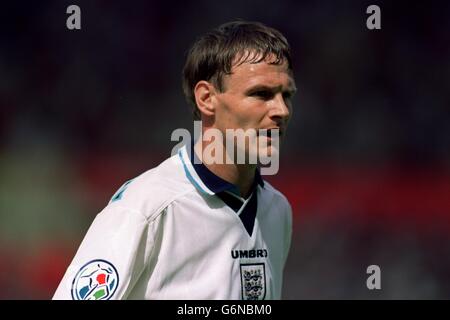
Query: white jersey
x=180, y=232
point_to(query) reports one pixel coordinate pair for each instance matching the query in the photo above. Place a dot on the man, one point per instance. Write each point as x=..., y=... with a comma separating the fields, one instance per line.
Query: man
x=192, y=230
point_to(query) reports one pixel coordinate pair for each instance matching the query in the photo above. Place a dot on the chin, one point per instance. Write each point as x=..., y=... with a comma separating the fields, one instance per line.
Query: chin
x=261, y=152
x=273, y=151
x=268, y=152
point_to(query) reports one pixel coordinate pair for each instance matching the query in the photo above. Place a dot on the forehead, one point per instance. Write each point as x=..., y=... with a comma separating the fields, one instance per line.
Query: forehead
x=265, y=72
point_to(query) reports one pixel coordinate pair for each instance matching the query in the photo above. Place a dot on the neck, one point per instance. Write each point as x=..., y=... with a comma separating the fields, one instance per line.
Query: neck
x=241, y=175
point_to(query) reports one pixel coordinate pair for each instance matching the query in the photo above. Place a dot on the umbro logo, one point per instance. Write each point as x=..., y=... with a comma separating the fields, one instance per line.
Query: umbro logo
x=259, y=253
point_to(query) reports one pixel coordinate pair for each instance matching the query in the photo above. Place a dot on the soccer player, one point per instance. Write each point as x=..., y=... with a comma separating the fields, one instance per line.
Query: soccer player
x=199, y=230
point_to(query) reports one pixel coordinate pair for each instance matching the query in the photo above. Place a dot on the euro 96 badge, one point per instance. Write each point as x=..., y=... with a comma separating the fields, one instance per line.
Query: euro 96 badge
x=96, y=280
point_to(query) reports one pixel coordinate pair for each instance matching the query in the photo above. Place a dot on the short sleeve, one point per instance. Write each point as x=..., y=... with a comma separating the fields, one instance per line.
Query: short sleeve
x=110, y=258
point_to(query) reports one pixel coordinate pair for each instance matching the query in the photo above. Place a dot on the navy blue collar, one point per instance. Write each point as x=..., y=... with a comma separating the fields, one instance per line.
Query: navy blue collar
x=214, y=182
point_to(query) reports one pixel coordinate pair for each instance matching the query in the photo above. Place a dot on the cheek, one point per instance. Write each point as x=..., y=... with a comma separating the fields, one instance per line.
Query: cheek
x=225, y=116
x=256, y=111
x=240, y=113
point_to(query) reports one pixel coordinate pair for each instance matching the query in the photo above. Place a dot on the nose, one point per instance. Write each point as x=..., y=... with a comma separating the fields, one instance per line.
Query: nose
x=281, y=110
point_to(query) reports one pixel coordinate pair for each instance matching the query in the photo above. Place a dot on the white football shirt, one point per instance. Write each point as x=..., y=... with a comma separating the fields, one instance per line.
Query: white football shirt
x=178, y=231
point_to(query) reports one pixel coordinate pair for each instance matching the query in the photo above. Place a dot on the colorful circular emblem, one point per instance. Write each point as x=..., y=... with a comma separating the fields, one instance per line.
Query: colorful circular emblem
x=96, y=280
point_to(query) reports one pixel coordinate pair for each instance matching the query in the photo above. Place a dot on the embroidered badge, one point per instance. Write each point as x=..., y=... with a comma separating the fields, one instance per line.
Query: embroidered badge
x=253, y=281
x=96, y=280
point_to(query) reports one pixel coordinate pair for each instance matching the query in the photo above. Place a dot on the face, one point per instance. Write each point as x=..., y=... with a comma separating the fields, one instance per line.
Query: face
x=256, y=96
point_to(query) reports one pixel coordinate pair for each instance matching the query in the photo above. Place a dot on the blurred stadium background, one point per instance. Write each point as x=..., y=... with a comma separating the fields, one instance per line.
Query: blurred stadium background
x=366, y=164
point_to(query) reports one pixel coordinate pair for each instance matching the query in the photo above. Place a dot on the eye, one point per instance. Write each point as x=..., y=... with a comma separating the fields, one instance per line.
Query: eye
x=287, y=95
x=263, y=94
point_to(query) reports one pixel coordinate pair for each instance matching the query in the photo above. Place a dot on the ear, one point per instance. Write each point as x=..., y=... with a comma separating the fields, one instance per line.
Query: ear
x=204, y=93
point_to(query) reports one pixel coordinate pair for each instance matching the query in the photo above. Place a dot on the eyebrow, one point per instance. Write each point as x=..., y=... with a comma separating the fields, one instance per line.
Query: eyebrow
x=262, y=87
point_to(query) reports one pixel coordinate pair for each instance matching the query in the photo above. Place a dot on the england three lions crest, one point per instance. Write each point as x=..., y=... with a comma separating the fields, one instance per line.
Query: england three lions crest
x=253, y=281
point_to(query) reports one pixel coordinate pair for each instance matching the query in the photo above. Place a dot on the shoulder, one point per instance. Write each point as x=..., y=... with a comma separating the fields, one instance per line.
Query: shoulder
x=280, y=213
x=275, y=195
x=280, y=208
x=153, y=190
